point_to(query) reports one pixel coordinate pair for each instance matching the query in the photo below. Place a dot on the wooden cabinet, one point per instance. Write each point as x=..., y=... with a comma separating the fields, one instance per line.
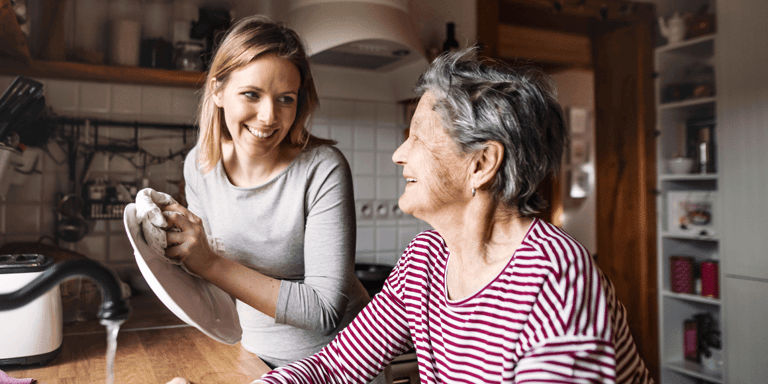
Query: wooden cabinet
x=742, y=110
x=688, y=238
x=746, y=312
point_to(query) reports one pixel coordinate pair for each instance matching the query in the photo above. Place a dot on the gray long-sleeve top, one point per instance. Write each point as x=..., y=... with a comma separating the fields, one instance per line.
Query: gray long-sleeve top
x=298, y=227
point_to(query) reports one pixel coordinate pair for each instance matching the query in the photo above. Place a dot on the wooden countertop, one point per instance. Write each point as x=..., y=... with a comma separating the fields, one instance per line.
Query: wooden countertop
x=149, y=356
x=153, y=346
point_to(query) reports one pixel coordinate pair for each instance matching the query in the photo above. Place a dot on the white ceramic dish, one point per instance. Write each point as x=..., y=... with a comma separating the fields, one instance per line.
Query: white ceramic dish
x=194, y=300
x=680, y=165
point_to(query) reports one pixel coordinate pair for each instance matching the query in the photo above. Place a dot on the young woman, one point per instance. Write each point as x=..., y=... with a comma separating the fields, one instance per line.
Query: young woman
x=280, y=199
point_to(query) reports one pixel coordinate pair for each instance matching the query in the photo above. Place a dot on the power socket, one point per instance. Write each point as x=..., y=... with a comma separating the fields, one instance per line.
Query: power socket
x=381, y=209
x=395, y=210
x=364, y=209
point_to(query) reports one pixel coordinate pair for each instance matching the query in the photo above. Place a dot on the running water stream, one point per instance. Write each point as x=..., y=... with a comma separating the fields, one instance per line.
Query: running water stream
x=113, y=327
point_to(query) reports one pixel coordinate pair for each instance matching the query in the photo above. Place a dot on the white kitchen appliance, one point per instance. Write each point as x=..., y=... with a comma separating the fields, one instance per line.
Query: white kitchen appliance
x=32, y=334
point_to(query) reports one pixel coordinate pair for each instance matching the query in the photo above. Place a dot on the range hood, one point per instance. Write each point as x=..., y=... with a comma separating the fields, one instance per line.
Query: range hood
x=360, y=49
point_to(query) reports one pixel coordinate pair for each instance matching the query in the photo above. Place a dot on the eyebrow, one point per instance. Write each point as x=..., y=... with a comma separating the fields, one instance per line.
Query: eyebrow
x=254, y=88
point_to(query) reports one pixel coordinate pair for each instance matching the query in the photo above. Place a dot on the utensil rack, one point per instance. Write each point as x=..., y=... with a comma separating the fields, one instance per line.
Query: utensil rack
x=136, y=125
x=103, y=209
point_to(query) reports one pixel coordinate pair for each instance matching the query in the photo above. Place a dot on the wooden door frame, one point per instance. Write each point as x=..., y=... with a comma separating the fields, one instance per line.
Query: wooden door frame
x=624, y=138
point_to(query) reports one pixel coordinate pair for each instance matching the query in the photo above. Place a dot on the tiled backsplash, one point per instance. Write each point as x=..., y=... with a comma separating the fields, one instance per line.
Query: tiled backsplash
x=367, y=133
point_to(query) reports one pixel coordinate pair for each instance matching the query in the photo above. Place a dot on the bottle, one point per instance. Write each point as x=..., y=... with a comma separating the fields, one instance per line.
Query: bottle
x=450, y=43
x=704, y=151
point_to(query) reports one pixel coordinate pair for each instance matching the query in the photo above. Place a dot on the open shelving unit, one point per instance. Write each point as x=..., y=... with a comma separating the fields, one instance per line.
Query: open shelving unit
x=102, y=73
x=672, y=119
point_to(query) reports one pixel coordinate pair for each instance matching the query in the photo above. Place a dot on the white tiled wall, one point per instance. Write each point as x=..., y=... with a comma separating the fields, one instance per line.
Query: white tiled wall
x=367, y=134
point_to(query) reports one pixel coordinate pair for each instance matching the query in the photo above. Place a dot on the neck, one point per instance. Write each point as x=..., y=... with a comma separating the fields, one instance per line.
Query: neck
x=483, y=231
x=248, y=169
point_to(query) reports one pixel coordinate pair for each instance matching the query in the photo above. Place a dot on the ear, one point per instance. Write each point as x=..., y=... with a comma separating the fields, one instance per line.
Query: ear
x=486, y=164
x=213, y=85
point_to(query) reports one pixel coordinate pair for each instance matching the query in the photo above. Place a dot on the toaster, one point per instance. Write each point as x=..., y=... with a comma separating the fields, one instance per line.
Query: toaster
x=32, y=334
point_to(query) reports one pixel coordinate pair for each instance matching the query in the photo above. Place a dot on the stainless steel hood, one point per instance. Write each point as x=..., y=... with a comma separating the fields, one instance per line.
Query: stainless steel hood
x=360, y=49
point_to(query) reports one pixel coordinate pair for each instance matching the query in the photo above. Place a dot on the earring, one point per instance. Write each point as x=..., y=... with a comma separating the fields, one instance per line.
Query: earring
x=473, y=192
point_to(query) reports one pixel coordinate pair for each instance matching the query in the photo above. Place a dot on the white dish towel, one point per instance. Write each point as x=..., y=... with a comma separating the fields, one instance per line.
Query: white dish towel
x=154, y=224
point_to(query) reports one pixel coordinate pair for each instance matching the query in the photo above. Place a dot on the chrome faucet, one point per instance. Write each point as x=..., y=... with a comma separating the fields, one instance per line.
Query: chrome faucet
x=113, y=306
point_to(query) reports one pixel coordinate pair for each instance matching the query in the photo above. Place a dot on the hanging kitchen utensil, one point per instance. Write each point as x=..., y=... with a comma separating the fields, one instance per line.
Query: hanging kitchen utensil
x=32, y=125
x=21, y=102
x=72, y=227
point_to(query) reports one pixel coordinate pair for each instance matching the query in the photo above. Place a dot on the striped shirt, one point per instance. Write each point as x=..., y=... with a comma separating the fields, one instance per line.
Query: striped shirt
x=550, y=316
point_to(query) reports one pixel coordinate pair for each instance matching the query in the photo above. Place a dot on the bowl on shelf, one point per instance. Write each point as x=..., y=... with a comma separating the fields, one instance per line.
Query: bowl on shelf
x=680, y=165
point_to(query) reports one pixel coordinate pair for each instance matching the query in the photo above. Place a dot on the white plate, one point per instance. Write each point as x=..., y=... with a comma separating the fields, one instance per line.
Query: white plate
x=194, y=300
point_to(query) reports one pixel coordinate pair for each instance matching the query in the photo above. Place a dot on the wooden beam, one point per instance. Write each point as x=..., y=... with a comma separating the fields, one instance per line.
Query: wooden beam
x=543, y=46
x=622, y=11
x=487, y=26
x=625, y=181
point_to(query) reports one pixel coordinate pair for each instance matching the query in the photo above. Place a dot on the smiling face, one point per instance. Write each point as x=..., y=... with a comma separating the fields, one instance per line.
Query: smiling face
x=436, y=174
x=259, y=103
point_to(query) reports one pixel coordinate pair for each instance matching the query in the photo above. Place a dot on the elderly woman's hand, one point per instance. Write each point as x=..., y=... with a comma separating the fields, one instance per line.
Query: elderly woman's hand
x=187, y=239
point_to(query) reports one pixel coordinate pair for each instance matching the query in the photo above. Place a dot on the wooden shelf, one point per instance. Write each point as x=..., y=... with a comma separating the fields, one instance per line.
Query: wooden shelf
x=102, y=73
x=692, y=369
x=691, y=297
x=687, y=177
x=701, y=46
x=687, y=103
x=673, y=235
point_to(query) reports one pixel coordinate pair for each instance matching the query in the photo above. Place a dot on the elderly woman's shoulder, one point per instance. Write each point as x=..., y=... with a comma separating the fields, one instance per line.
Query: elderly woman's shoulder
x=554, y=243
x=425, y=245
x=429, y=237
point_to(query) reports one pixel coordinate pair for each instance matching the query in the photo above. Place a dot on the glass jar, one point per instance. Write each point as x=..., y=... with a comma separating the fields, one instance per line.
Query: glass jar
x=189, y=56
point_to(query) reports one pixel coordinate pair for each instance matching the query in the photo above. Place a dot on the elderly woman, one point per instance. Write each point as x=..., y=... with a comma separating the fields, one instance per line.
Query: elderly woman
x=492, y=294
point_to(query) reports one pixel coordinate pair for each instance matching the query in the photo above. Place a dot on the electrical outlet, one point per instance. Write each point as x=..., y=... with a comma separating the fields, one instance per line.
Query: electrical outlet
x=394, y=208
x=381, y=209
x=364, y=209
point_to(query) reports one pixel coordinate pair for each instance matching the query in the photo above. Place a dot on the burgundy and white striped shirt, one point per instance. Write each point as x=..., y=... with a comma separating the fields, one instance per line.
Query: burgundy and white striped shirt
x=550, y=316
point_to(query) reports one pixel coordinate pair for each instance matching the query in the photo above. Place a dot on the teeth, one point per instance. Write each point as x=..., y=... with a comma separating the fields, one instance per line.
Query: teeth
x=410, y=180
x=260, y=134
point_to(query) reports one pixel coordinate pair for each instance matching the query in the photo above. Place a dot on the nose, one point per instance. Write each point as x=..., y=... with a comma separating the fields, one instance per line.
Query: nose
x=399, y=156
x=267, y=114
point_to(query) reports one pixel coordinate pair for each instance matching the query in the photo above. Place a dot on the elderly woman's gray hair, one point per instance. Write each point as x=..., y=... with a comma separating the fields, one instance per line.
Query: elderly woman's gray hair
x=482, y=101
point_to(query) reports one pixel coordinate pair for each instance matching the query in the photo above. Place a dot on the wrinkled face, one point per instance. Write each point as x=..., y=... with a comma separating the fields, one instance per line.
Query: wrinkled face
x=435, y=172
x=259, y=102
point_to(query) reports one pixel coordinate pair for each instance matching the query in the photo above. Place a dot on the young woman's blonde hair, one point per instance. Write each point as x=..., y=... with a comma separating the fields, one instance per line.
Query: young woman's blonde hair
x=247, y=40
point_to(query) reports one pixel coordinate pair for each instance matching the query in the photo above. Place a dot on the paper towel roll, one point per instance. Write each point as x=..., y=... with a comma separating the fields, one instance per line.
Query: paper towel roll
x=126, y=38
